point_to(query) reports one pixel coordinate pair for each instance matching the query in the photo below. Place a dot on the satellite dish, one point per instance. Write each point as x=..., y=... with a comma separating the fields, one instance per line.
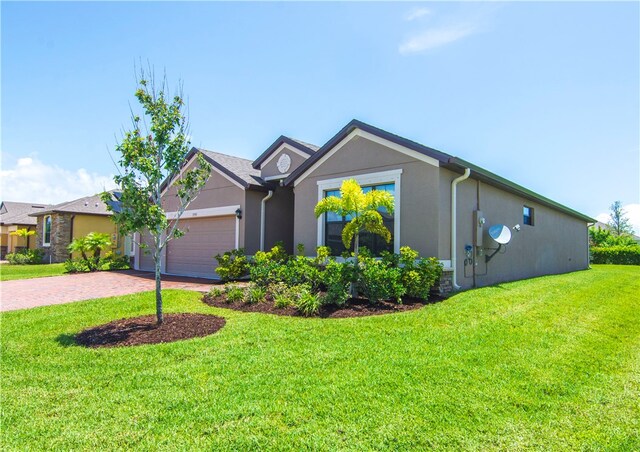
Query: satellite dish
x=500, y=233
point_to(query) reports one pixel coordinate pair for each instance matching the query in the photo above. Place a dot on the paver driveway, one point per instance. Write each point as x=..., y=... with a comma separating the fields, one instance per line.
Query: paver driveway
x=29, y=293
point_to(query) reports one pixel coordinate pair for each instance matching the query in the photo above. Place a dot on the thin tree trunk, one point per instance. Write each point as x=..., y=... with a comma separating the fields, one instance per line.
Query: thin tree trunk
x=356, y=246
x=157, y=257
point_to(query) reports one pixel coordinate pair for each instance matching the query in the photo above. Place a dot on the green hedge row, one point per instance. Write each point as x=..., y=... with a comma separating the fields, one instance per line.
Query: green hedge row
x=625, y=255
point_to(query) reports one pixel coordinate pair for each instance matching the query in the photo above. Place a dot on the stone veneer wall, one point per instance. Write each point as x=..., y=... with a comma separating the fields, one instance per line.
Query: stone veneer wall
x=445, y=286
x=60, y=237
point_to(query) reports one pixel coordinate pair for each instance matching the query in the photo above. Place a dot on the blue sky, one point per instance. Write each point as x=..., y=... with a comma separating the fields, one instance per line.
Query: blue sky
x=545, y=94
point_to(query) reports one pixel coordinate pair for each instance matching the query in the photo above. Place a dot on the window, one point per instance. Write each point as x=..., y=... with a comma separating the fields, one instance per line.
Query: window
x=333, y=225
x=46, y=236
x=527, y=215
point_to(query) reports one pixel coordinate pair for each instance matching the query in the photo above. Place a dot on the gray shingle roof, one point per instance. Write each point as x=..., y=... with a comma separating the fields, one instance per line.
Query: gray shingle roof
x=90, y=205
x=18, y=212
x=313, y=147
x=238, y=168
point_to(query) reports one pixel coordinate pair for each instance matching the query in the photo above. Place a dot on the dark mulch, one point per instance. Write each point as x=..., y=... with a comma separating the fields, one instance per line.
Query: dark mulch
x=144, y=330
x=355, y=307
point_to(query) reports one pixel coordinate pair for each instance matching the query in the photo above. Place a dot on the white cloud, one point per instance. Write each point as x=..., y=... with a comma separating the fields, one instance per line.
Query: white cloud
x=417, y=14
x=436, y=37
x=632, y=212
x=31, y=180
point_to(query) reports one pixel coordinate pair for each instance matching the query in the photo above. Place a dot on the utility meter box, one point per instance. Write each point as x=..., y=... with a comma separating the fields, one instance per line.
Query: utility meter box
x=478, y=221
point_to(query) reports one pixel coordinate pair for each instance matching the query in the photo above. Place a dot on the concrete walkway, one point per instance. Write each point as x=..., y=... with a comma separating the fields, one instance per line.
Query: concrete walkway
x=30, y=293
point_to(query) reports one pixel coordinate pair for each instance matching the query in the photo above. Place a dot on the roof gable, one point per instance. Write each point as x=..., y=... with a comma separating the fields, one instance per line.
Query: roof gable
x=237, y=169
x=306, y=149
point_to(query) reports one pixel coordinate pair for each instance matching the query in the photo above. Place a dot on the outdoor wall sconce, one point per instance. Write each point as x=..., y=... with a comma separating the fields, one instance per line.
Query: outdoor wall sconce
x=239, y=214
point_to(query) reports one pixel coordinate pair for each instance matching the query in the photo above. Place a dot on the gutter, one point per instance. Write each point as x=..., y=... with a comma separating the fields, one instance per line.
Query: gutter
x=263, y=205
x=454, y=185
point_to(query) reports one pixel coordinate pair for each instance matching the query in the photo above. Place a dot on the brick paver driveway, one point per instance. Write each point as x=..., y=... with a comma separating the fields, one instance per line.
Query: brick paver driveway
x=29, y=293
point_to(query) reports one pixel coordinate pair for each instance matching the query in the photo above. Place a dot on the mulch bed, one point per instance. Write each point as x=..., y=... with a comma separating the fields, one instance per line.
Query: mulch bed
x=355, y=307
x=144, y=330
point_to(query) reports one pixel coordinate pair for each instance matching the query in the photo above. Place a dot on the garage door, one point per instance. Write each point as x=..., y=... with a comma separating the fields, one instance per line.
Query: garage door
x=146, y=254
x=192, y=254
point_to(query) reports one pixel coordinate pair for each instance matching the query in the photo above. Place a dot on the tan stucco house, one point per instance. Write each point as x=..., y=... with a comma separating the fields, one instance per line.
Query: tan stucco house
x=444, y=207
x=14, y=216
x=57, y=226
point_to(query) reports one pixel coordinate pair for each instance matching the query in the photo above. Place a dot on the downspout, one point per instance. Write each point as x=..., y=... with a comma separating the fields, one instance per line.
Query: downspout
x=454, y=185
x=263, y=205
x=73, y=217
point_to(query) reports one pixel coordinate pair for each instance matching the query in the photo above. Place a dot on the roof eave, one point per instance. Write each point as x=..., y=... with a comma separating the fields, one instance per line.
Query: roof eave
x=501, y=182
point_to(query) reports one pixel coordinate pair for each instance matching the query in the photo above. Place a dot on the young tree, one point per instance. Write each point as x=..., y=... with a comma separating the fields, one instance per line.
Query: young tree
x=363, y=208
x=153, y=155
x=24, y=233
x=618, y=221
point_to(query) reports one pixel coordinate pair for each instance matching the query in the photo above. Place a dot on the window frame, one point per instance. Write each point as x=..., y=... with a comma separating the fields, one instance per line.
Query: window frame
x=531, y=215
x=379, y=178
x=44, y=230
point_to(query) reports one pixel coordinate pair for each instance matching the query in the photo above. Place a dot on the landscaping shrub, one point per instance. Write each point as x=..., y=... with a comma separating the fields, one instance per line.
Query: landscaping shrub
x=377, y=281
x=284, y=298
x=232, y=264
x=419, y=275
x=215, y=292
x=233, y=293
x=336, y=278
x=300, y=270
x=255, y=294
x=266, y=266
x=624, y=255
x=114, y=262
x=76, y=266
x=26, y=257
x=308, y=303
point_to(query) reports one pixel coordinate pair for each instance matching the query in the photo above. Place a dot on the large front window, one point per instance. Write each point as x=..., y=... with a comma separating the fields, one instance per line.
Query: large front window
x=333, y=225
x=46, y=239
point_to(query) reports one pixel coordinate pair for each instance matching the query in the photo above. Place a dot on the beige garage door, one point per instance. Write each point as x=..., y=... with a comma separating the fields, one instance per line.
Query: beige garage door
x=146, y=254
x=192, y=254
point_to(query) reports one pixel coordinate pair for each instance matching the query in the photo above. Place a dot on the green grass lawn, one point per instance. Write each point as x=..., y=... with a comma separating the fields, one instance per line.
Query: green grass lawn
x=9, y=272
x=549, y=363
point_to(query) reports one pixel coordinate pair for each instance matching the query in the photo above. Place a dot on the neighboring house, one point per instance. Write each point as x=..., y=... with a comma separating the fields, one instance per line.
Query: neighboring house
x=57, y=226
x=255, y=204
x=14, y=216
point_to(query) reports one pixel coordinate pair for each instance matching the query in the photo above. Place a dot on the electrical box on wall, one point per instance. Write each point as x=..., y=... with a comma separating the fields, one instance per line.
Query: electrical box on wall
x=478, y=221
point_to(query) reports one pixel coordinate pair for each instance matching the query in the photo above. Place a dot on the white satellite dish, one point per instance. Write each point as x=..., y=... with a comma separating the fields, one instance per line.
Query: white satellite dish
x=500, y=233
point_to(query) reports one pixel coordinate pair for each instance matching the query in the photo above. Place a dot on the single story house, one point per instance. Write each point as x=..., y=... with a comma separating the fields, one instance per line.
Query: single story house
x=14, y=216
x=57, y=226
x=606, y=227
x=444, y=207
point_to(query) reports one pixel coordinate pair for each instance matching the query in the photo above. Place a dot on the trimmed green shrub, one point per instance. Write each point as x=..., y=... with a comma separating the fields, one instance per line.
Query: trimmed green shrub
x=111, y=261
x=233, y=293
x=215, y=292
x=623, y=255
x=76, y=266
x=255, y=294
x=336, y=278
x=25, y=257
x=232, y=264
x=419, y=275
x=377, y=281
x=265, y=268
x=300, y=270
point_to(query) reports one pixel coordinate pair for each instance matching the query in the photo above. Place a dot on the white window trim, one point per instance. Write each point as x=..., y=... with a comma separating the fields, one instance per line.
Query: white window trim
x=371, y=137
x=44, y=230
x=383, y=177
x=284, y=147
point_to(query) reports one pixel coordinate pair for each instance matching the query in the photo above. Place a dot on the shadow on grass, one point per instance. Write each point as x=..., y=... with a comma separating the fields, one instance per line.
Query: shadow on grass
x=67, y=340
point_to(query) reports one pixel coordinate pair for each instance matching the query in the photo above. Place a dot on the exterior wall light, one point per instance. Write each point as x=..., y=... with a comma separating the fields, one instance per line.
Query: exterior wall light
x=239, y=214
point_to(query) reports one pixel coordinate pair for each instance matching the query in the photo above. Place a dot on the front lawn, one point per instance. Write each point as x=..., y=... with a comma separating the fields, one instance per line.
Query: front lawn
x=9, y=272
x=549, y=363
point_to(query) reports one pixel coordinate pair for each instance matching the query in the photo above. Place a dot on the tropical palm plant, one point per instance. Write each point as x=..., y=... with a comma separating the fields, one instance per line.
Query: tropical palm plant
x=23, y=233
x=92, y=243
x=363, y=210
